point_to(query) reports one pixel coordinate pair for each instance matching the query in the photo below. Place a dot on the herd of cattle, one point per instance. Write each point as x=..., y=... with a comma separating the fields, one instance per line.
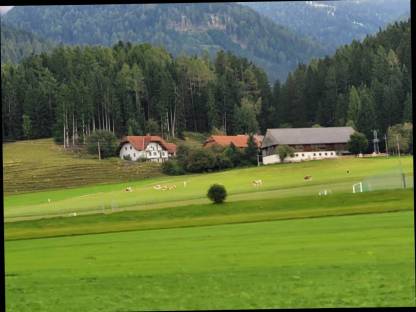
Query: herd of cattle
x=159, y=187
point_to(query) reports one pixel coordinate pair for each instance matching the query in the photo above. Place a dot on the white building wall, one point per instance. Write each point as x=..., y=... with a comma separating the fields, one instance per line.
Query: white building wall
x=300, y=156
x=153, y=152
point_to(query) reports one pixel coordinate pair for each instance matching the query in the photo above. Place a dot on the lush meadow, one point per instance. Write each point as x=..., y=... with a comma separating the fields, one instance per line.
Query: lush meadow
x=344, y=261
x=277, y=246
x=285, y=180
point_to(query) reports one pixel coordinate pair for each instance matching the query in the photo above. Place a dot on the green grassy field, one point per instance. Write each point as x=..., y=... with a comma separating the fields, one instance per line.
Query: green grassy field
x=345, y=261
x=279, y=246
x=284, y=180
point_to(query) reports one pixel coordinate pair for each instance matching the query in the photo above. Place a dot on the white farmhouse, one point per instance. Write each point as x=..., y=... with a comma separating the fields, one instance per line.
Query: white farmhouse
x=149, y=147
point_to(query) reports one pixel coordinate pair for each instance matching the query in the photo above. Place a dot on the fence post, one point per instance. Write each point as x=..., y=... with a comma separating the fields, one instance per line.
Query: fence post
x=404, y=180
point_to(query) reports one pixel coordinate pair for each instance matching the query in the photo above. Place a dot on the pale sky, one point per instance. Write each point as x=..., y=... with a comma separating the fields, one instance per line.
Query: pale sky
x=4, y=9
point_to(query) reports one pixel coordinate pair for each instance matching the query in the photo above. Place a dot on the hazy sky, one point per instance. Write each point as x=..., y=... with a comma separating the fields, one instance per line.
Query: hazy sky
x=4, y=9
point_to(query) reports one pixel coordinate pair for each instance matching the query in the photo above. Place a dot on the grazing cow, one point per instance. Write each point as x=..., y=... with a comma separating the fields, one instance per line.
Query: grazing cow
x=184, y=183
x=164, y=188
x=172, y=187
x=307, y=178
x=49, y=200
x=348, y=171
x=257, y=183
x=128, y=189
x=73, y=214
x=157, y=187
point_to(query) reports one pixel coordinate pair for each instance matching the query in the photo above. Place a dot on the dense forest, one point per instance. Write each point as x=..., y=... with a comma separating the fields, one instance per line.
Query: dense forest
x=334, y=23
x=189, y=29
x=129, y=89
x=135, y=89
x=17, y=44
x=366, y=85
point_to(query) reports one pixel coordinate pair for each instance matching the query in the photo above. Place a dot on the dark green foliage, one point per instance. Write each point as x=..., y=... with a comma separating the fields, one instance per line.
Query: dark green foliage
x=358, y=143
x=251, y=151
x=172, y=167
x=217, y=193
x=130, y=89
x=284, y=151
x=106, y=140
x=201, y=160
x=234, y=154
x=365, y=85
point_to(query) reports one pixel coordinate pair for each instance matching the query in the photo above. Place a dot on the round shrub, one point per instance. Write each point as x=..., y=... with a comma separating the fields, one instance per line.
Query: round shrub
x=217, y=193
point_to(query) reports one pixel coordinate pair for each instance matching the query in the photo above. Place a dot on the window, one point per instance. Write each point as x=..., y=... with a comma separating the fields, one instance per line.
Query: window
x=296, y=155
x=303, y=155
x=125, y=148
x=134, y=154
x=326, y=154
x=130, y=147
x=314, y=154
x=154, y=153
x=319, y=154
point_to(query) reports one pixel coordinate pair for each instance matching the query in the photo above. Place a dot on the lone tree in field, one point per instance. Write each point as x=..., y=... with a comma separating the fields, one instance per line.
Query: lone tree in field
x=103, y=141
x=217, y=193
x=284, y=151
x=358, y=143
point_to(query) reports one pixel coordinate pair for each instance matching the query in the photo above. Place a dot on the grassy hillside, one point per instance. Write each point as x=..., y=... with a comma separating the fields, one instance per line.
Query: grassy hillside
x=281, y=180
x=349, y=261
x=40, y=164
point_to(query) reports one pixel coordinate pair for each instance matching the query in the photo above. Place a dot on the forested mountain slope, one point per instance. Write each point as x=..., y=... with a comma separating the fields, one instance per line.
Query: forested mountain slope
x=334, y=23
x=134, y=89
x=180, y=28
x=366, y=85
x=17, y=44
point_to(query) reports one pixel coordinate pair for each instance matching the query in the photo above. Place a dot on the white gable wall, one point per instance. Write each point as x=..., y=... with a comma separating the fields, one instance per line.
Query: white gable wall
x=128, y=150
x=153, y=152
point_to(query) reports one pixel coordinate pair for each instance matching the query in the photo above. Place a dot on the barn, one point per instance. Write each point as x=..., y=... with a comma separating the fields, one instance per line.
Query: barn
x=308, y=143
x=148, y=147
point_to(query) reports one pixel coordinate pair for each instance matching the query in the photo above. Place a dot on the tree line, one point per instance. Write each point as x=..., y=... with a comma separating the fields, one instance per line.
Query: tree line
x=129, y=89
x=365, y=85
x=137, y=89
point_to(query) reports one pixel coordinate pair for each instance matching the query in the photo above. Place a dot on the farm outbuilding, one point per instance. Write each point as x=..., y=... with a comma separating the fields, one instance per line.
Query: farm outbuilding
x=308, y=143
x=149, y=147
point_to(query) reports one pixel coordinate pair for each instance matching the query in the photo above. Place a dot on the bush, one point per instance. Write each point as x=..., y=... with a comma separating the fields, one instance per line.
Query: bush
x=126, y=157
x=358, y=143
x=284, y=151
x=182, y=154
x=234, y=154
x=172, y=167
x=217, y=193
x=200, y=160
x=108, y=143
x=223, y=162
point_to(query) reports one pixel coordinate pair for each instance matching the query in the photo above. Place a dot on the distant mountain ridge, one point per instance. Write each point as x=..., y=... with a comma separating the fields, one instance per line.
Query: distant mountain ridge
x=334, y=23
x=17, y=44
x=181, y=28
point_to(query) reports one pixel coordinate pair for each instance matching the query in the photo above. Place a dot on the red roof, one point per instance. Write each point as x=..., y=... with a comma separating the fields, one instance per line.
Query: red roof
x=140, y=142
x=238, y=140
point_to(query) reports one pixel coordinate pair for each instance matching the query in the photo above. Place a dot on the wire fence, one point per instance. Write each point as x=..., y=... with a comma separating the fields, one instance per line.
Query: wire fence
x=394, y=179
